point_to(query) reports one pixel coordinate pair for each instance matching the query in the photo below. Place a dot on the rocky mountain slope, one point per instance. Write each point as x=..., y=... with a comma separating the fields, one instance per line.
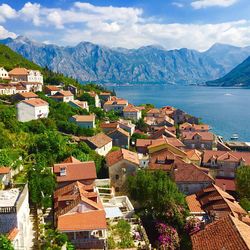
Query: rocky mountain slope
x=150, y=64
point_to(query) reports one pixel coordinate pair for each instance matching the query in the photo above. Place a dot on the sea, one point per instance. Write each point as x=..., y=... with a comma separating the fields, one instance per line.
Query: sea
x=226, y=110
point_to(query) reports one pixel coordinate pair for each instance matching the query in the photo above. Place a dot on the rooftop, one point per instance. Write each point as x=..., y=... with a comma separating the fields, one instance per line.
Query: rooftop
x=84, y=118
x=99, y=140
x=9, y=197
x=35, y=102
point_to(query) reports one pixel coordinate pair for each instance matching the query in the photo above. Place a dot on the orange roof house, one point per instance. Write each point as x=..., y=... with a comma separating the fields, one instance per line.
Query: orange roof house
x=79, y=213
x=226, y=233
x=72, y=170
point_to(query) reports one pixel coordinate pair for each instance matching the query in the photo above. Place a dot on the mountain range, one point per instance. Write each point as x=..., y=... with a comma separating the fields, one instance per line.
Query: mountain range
x=150, y=64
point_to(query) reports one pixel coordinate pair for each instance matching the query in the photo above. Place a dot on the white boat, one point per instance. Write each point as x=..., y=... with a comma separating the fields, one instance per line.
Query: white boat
x=234, y=137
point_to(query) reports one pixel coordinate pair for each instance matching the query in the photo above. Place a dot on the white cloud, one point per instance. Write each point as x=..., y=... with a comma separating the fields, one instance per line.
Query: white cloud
x=6, y=12
x=178, y=4
x=5, y=33
x=124, y=27
x=199, y=4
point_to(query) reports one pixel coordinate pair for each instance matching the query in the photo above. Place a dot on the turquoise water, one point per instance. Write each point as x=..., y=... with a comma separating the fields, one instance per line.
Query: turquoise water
x=227, y=110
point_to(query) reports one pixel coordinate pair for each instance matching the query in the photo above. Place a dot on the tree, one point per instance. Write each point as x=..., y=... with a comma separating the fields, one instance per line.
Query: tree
x=141, y=125
x=243, y=186
x=159, y=196
x=87, y=98
x=5, y=243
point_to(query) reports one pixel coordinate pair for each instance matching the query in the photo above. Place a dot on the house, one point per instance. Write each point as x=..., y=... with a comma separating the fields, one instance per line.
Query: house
x=105, y=96
x=84, y=121
x=26, y=75
x=51, y=90
x=63, y=96
x=14, y=216
x=24, y=96
x=143, y=144
x=194, y=156
x=153, y=113
x=116, y=104
x=132, y=113
x=127, y=125
x=121, y=164
x=73, y=89
x=226, y=233
x=32, y=109
x=4, y=75
x=198, y=140
x=5, y=177
x=215, y=202
x=159, y=121
x=32, y=86
x=109, y=126
x=120, y=137
x=101, y=143
x=190, y=178
x=71, y=170
x=79, y=104
x=162, y=132
x=167, y=110
x=6, y=89
x=79, y=213
x=186, y=127
x=180, y=117
x=97, y=99
x=225, y=162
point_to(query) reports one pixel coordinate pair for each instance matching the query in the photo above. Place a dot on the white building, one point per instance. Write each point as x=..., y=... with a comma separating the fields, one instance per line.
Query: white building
x=14, y=216
x=6, y=89
x=97, y=99
x=63, y=96
x=79, y=104
x=32, y=109
x=26, y=75
x=4, y=73
x=132, y=113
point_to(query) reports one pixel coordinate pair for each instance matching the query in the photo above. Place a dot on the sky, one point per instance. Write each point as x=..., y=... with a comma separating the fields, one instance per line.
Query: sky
x=172, y=24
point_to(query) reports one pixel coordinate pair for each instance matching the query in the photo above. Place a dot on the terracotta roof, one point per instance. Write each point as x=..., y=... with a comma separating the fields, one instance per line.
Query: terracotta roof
x=193, y=204
x=131, y=108
x=12, y=234
x=205, y=136
x=153, y=111
x=225, y=184
x=75, y=171
x=99, y=140
x=63, y=93
x=84, y=118
x=117, y=101
x=122, y=154
x=119, y=130
x=227, y=233
x=80, y=104
x=194, y=154
x=109, y=125
x=164, y=131
x=90, y=220
x=28, y=95
x=4, y=170
x=226, y=155
x=52, y=88
x=195, y=127
x=188, y=172
x=19, y=71
x=36, y=102
x=71, y=159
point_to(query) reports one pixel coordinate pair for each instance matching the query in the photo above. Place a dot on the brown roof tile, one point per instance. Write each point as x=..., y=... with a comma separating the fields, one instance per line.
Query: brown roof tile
x=99, y=140
x=5, y=170
x=36, y=102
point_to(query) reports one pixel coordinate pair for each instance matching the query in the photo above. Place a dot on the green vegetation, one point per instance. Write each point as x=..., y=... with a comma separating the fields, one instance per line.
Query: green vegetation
x=243, y=186
x=5, y=243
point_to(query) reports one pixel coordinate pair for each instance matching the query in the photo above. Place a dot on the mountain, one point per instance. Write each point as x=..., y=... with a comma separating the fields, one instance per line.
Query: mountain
x=239, y=76
x=149, y=64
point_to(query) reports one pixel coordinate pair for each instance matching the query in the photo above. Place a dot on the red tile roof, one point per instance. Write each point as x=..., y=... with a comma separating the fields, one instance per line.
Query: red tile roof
x=99, y=140
x=193, y=204
x=122, y=154
x=36, y=102
x=84, y=118
x=188, y=172
x=130, y=108
x=205, y=136
x=75, y=171
x=4, y=170
x=12, y=233
x=19, y=71
x=52, y=88
x=28, y=95
x=225, y=184
x=228, y=233
x=120, y=131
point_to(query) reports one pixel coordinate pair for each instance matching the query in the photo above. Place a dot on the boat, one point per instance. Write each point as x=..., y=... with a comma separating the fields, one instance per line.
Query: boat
x=234, y=137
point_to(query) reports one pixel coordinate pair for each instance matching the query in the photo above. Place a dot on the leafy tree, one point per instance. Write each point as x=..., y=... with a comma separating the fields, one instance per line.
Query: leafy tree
x=87, y=98
x=141, y=125
x=5, y=243
x=159, y=196
x=242, y=181
x=41, y=184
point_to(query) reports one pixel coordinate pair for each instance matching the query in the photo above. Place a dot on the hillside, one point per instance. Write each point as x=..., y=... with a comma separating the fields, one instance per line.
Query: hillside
x=239, y=76
x=149, y=64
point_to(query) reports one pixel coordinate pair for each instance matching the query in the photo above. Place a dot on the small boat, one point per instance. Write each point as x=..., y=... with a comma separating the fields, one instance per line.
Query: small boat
x=234, y=137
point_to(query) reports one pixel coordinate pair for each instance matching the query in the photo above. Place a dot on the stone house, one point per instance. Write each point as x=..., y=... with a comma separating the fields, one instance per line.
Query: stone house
x=84, y=121
x=32, y=109
x=101, y=143
x=198, y=140
x=121, y=164
x=120, y=137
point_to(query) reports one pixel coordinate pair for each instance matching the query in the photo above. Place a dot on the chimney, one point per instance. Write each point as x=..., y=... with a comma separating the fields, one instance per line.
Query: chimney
x=224, y=187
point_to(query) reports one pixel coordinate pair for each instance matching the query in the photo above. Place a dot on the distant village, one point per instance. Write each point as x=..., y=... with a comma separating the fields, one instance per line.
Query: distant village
x=144, y=138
